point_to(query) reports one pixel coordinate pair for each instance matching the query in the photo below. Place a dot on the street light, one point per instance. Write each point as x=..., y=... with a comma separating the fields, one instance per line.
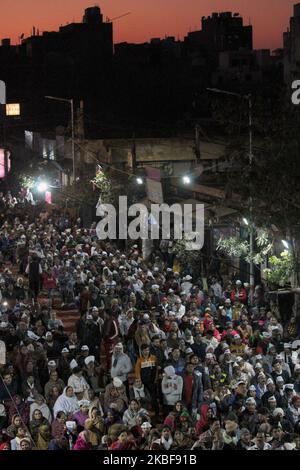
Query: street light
x=71, y=102
x=245, y=221
x=186, y=179
x=249, y=99
x=139, y=181
x=42, y=186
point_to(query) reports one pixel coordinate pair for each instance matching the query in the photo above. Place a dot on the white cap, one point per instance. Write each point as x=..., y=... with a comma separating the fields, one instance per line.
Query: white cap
x=278, y=411
x=85, y=348
x=89, y=359
x=51, y=364
x=250, y=401
x=146, y=425
x=289, y=387
x=73, y=364
x=84, y=403
x=117, y=382
x=70, y=425
x=89, y=317
x=65, y=350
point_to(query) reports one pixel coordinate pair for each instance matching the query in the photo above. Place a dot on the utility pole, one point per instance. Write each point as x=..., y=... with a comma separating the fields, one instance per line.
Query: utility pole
x=71, y=102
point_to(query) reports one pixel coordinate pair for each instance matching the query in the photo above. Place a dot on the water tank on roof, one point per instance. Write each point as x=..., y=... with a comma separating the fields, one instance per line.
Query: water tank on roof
x=92, y=15
x=5, y=42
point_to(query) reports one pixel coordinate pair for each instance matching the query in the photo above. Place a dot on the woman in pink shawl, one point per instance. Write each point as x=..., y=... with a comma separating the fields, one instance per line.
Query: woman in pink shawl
x=82, y=442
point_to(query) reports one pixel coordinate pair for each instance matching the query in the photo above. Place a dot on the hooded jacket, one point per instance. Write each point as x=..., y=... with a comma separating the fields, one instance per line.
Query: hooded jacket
x=171, y=386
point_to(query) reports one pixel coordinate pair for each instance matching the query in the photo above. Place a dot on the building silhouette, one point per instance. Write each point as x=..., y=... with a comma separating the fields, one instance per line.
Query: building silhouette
x=291, y=45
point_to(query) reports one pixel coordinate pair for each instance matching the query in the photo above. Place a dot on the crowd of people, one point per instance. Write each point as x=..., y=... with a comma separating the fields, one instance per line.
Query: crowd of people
x=157, y=360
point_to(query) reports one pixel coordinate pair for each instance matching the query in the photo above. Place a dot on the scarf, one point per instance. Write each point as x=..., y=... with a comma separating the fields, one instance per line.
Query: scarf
x=167, y=444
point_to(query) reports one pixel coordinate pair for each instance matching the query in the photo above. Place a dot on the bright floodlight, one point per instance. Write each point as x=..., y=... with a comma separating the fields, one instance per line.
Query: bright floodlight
x=139, y=180
x=42, y=187
x=285, y=244
x=245, y=221
x=186, y=180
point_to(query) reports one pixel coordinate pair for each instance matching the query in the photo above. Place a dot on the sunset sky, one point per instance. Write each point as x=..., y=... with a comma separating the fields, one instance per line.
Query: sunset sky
x=149, y=18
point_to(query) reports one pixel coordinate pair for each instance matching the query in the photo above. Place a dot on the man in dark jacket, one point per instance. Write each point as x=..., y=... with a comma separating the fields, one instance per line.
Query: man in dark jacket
x=8, y=389
x=34, y=271
x=192, y=388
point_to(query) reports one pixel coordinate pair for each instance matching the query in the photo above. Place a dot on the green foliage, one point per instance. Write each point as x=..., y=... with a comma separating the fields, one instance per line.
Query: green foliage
x=26, y=181
x=103, y=184
x=241, y=249
x=234, y=247
x=281, y=270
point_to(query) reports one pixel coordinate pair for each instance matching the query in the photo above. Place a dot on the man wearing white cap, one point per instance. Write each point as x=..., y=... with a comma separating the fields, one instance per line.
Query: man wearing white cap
x=78, y=383
x=115, y=394
x=121, y=363
x=145, y=438
x=179, y=309
x=187, y=285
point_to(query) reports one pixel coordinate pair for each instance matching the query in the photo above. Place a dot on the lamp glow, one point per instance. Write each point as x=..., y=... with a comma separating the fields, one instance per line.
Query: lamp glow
x=139, y=180
x=186, y=180
x=42, y=187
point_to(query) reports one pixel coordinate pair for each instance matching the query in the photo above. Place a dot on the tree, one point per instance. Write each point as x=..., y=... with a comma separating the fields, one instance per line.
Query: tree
x=273, y=180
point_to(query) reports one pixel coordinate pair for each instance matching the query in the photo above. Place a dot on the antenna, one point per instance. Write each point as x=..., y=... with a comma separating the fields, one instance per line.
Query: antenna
x=109, y=20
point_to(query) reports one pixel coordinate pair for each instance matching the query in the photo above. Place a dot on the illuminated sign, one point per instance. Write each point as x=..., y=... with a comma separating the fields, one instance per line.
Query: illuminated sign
x=13, y=109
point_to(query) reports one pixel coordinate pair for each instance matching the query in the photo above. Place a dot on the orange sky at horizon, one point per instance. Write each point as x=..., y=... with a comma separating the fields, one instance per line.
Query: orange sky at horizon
x=148, y=18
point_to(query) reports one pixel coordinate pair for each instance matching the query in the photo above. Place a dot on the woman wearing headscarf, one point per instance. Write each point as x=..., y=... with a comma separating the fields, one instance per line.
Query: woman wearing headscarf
x=181, y=441
x=203, y=423
x=12, y=429
x=113, y=423
x=17, y=405
x=83, y=442
x=96, y=427
x=124, y=441
x=40, y=404
x=43, y=437
x=58, y=425
x=5, y=446
x=37, y=421
x=66, y=402
x=134, y=409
